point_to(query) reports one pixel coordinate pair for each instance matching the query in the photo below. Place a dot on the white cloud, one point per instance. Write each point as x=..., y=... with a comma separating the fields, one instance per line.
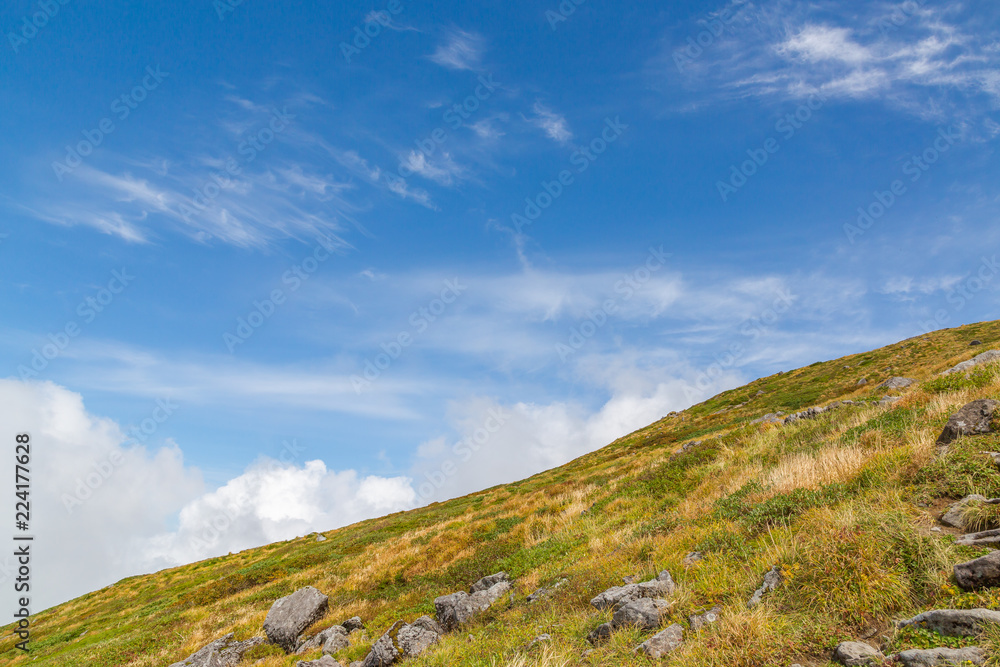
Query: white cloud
x=816, y=43
x=443, y=170
x=461, y=50
x=553, y=124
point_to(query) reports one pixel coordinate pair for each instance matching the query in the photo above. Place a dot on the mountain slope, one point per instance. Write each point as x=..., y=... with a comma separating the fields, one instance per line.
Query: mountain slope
x=843, y=502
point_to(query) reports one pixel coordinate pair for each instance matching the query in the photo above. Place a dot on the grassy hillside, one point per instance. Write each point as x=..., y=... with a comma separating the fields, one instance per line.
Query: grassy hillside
x=844, y=503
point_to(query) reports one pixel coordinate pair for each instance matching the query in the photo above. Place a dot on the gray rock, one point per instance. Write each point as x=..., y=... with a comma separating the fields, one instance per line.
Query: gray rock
x=403, y=641
x=353, y=623
x=935, y=657
x=545, y=592
x=488, y=582
x=986, y=538
x=321, y=538
x=966, y=366
x=772, y=579
x=224, y=652
x=643, y=613
x=692, y=558
x=325, y=661
x=330, y=640
x=540, y=639
x=862, y=382
x=292, y=614
x=954, y=622
x=981, y=572
x=769, y=418
x=701, y=621
x=994, y=456
x=975, y=343
x=600, y=634
x=855, y=654
x=888, y=400
x=953, y=515
x=896, y=383
x=976, y=418
x=662, y=643
x=616, y=596
x=458, y=608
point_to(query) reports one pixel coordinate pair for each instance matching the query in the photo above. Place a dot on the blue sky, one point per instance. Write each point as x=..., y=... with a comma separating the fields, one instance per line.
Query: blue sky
x=566, y=220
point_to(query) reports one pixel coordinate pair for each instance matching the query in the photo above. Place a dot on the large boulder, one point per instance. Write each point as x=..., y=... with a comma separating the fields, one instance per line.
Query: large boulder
x=403, y=640
x=292, y=614
x=954, y=515
x=938, y=657
x=331, y=640
x=643, y=613
x=966, y=366
x=981, y=572
x=976, y=418
x=857, y=654
x=772, y=579
x=616, y=596
x=224, y=652
x=662, y=643
x=954, y=622
x=458, y=608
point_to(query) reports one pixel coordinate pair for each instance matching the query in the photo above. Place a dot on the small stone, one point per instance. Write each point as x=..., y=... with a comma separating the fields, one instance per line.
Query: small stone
x=856, y=654
x=643, y=613
x=953, y=516
x=701, y=621
x=975, y=343
x=692, y=558
x=353, y=623
x=662, y=643
x=772, y=579
x=896, y=383
x=862, y=382
x=320, y=538
x=600, y=634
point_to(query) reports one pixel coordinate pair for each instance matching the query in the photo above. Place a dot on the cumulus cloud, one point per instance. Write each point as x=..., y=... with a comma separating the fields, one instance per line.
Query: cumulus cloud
x=104, y=508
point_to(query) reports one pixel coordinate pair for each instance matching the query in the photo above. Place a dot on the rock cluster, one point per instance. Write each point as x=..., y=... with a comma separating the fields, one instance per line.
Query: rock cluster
x=458, y=608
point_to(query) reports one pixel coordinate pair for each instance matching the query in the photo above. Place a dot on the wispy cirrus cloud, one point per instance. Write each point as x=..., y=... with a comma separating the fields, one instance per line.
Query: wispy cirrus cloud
x=461, y=50
x=553, y=124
